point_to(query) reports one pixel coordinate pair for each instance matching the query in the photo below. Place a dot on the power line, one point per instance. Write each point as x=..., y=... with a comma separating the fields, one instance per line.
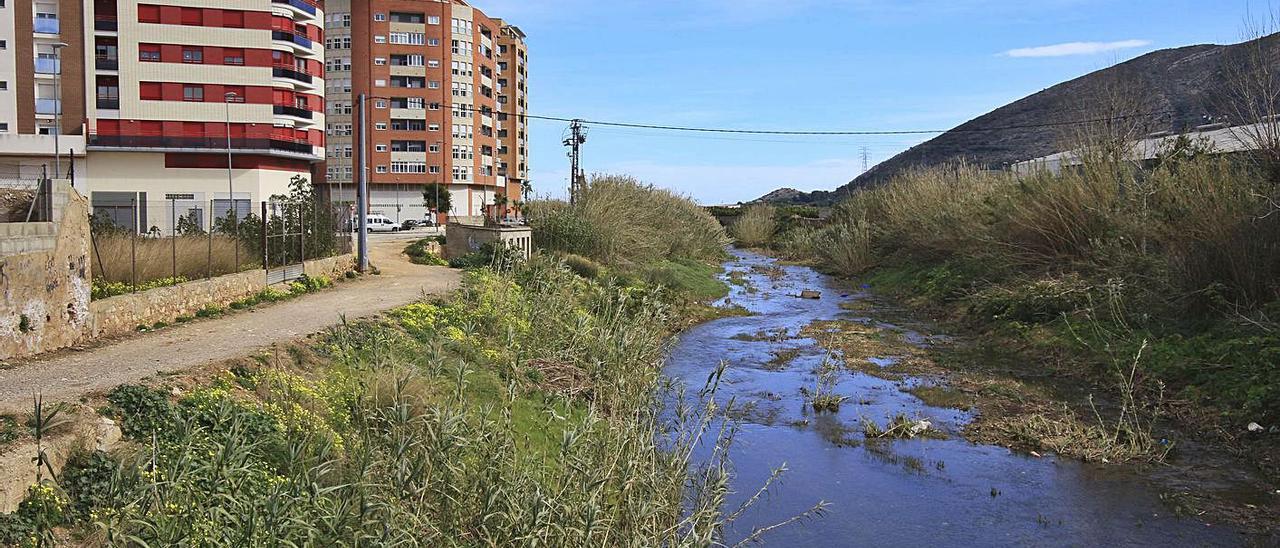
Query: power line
x=836, y=133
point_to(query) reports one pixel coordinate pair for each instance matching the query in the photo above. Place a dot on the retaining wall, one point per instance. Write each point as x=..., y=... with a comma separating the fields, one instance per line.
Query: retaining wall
x=461, y=239
x=45, y=278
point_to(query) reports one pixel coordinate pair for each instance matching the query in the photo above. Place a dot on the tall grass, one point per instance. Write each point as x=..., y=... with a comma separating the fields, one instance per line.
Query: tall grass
x=527, y=409
x=117, y=257
x=1192, y=241
x=756, y=226
x=617, y=219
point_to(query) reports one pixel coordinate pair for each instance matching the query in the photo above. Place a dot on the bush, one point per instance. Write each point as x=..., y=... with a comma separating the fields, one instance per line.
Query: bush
x=419, y=254
x=582, y=266
x=618, y=220
x=756, y=226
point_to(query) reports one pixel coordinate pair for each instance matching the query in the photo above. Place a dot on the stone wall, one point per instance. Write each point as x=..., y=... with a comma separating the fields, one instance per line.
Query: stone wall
x=461, y=239
x=45, y=278
x=122, y=314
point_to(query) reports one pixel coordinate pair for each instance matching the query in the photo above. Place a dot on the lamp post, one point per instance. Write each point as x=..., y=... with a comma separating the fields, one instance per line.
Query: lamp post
x=231, y=196
x=57, y=108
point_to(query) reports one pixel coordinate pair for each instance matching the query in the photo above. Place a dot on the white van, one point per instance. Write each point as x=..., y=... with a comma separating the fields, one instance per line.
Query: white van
x=380, y=223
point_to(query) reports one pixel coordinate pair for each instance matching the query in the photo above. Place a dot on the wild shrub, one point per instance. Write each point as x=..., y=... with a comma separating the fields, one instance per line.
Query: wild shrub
x=618, y=220
x=582, y=266
x=756, y=225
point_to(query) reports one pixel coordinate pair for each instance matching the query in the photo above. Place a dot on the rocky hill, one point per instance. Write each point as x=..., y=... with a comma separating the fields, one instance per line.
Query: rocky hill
x=1180, y=87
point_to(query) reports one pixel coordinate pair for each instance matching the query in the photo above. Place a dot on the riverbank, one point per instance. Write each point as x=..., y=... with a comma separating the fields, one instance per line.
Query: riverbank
x=837, y=400
x=518, y=410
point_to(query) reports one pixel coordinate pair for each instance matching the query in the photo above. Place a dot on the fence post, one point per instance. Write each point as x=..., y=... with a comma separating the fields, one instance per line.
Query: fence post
x=173, y=236
x=208, y=264
x=266, y=265
x=302, y=236
x=133, y=246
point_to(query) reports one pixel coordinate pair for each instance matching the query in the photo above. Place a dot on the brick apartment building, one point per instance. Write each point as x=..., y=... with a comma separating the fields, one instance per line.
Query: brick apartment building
x=446, y=85
x=158, y=90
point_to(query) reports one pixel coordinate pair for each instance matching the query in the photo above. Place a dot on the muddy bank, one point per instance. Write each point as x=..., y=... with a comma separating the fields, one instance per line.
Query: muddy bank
x=932, y=489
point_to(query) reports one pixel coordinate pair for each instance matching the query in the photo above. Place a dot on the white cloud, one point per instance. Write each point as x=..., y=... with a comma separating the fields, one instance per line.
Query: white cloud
x=1075, y=48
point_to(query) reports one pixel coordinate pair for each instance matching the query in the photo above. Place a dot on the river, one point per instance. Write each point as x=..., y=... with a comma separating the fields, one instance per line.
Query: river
x=915, y=492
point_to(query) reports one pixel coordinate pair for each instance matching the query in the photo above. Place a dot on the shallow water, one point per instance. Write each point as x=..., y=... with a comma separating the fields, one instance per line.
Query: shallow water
x=936, y=492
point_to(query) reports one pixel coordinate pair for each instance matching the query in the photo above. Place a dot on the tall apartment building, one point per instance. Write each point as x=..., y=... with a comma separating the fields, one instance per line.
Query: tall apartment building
x=40, y=60
x=175, y=84
x=158, y=91
x=431, y=72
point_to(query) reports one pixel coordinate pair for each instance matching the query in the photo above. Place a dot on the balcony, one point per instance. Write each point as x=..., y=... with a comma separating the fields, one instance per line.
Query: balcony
x=106, y=23
x=46, y=66
x=286, y=36
x=300, y=4
x=45, y=25
x=47, y=106
x=296, y=112
x=106, y=63
x=208, y=143
x=287, y=72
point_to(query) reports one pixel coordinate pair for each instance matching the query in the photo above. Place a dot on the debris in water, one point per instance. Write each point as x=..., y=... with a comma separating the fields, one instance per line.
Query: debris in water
x=810, y=294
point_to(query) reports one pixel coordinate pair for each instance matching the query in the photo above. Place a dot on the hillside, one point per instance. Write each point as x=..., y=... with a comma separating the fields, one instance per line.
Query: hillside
x=1182, y=86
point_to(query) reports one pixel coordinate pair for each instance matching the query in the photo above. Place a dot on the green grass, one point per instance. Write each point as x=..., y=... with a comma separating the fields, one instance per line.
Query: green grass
x=521, y=409
x=419, y=254
x=694, y=279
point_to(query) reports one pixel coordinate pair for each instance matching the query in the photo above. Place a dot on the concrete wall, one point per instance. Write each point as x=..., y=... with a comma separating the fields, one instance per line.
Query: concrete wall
x=45, y=278
x=122, y=314
x=461, y=239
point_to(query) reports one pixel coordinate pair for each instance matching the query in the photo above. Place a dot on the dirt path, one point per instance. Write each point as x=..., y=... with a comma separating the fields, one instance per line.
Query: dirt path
x=65, y=375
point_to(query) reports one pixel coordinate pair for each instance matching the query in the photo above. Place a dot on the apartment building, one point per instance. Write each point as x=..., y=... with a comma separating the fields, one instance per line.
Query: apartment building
x=200, y=104
x=430, y=71
x=177, y=84
x=40, y=45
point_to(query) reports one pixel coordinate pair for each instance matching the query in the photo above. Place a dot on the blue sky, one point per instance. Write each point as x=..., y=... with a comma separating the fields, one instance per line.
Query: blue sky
x=810, y=65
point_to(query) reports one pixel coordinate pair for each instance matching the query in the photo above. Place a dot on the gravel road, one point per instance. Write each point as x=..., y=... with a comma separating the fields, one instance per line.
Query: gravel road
x=68, y=374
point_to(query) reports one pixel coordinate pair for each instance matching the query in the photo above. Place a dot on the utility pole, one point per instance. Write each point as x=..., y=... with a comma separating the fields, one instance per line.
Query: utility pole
x=362, y=190
x=57, y=109
x=576, y=138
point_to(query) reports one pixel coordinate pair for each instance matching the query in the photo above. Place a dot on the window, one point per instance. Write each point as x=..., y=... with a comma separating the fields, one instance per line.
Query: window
x=433, y=106
x=193, y=93
x=4, y=126
x=463, y=152
x=380, y=126
x=4, y=85
x=382, y=169
x=232, y=56
x=379, y=61
x=4, y=44
x=433, y=42
x=148, y=13
x=431, y=19
x=379, y=147
x=233, y=19
x=380, y=39
x=150, y=91
x=434, y=169
x=433, y=84
x=461, y=47
x=411, y=38
x=461, y=173
x=192, y=55
x=376, y=104
x=401, y=17
x=379, y=16
x=435, y=148
x=193, y=16
x=408, y=167
x=149, y=53
x=433, y=127
x=434, y=63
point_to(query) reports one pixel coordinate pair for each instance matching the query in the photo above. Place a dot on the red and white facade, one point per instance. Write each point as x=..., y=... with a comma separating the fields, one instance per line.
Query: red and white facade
x=172, y=84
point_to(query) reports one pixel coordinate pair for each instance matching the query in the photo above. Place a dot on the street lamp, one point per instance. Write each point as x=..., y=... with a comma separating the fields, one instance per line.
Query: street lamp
x=57, y=108
x=229, y=98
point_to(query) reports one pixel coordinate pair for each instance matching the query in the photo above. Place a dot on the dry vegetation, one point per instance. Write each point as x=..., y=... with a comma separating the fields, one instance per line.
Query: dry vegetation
x=117, y=254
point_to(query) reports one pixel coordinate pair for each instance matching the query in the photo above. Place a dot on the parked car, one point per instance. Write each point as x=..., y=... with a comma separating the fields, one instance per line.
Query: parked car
x=381, y=223
x=410, y=224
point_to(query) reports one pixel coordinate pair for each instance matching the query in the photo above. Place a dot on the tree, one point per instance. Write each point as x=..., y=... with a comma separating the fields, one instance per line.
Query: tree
x=1252, y=98
x=526, y=190
x=435, y=197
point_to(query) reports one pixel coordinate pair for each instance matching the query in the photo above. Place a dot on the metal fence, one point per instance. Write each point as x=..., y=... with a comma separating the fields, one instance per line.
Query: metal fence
x=140, y=244
x=26, y=200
